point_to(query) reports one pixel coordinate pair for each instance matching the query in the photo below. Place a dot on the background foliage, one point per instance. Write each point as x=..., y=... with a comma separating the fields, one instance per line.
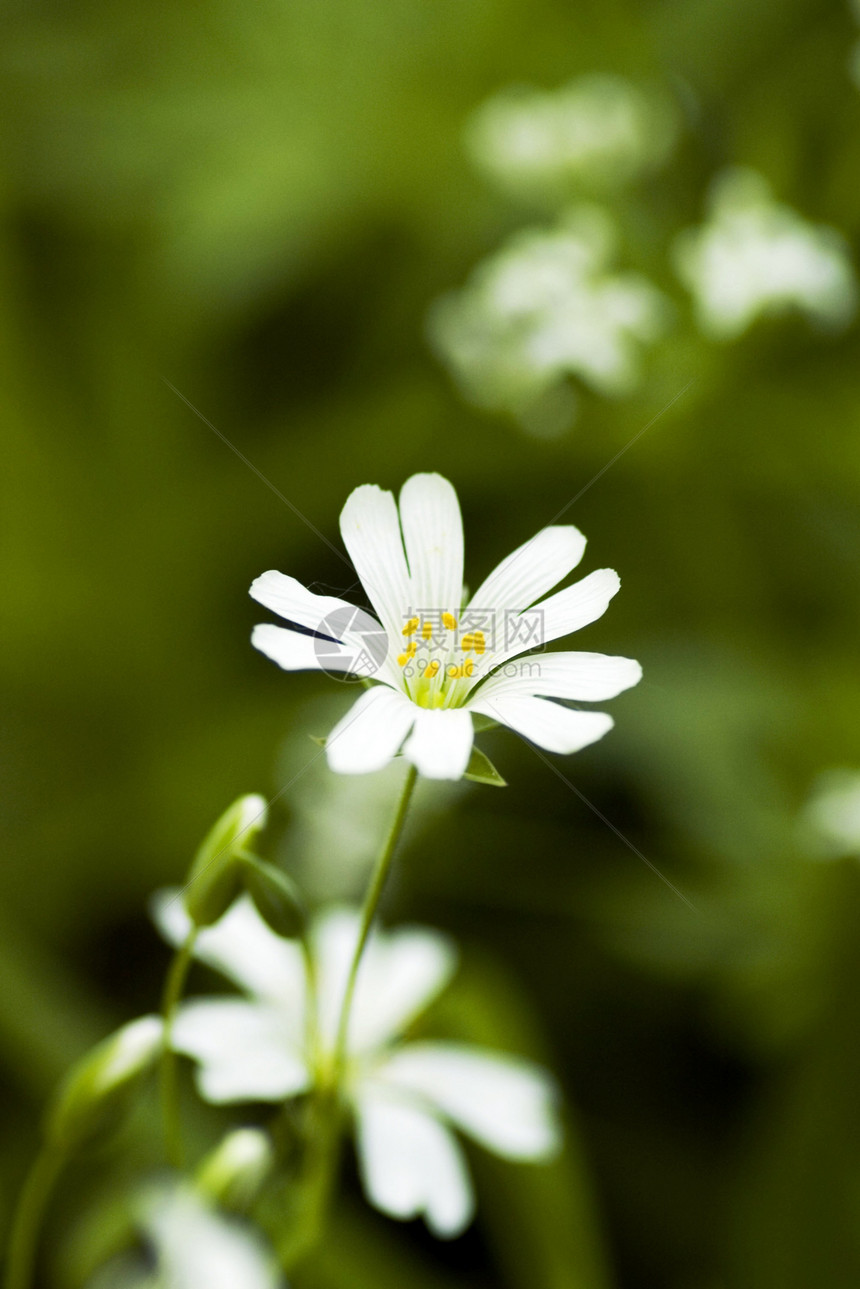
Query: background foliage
x=258, y=204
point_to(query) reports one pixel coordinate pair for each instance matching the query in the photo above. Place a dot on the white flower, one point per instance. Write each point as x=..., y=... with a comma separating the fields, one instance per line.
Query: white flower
x=755, y=256
x=598, y=130
x=834, y=812
x=546, y=307
x=278, y=1043
x=438, y=663
x=194, y=1247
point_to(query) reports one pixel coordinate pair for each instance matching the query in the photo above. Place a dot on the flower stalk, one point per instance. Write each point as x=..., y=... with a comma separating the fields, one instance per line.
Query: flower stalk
x=368, y=913
x=326, y=1111
x=174, y=985
x=33, y=1201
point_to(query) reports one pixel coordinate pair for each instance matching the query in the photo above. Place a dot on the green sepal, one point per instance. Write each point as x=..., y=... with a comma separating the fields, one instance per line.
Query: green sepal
x=215, y=877
x=213, y=890
x=481, y=770
x=315, y=738
x=482, y=723
x=276, y=898
x=98, y=1089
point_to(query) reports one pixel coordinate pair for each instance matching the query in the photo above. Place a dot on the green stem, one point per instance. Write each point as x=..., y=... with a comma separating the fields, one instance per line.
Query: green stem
x=317, y=1183
x=327, y=1108
x=28, y=1217
x=368, y=913
x=173, y=988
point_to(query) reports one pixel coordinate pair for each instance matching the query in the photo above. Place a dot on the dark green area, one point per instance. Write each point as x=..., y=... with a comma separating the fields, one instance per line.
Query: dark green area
x=256, y=205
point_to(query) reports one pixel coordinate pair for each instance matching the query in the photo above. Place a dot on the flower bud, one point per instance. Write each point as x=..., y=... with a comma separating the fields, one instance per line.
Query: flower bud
x=232, y=1174
x=277, y=899
x=215, y=878
x=97, y=1089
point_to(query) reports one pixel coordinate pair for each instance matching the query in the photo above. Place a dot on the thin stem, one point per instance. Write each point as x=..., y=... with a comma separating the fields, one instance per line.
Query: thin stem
x=173, y=988
x=317, y=1183
x=368, y=913
x=327, y=1108
x=32, y=1203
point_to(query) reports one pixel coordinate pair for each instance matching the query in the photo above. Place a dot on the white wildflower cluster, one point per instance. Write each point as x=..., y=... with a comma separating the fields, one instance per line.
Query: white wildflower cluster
x=756, y=256
x=598, y=131
x=548, y=307
x=279, y=1041
x=328, y=1006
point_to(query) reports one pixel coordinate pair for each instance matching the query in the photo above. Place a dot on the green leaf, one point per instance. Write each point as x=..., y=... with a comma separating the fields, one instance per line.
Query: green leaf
x=482, y=723
x=481, y=770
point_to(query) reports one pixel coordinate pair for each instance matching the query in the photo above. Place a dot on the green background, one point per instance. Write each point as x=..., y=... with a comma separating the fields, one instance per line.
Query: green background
x=258, y=204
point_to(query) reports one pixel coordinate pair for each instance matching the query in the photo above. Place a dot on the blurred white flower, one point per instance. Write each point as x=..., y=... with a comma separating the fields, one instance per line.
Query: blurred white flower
x=599, y=130
x=439, y=663
x=833, y=810
x=543, y=309
x=194, y=1246
x=755, y=256
x=405, y=1097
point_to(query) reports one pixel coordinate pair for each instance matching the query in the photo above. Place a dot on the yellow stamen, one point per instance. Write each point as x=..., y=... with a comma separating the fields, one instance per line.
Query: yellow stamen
x=426, y=630
x=411, y=650
x=468, y=666
x=455, y=672
x=431, y=669
x=474, y=640
x=411, y=627
x=449, y=622
x=402, y=659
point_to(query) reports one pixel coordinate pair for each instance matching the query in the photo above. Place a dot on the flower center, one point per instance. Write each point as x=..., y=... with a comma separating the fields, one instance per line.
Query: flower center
x=438, y=659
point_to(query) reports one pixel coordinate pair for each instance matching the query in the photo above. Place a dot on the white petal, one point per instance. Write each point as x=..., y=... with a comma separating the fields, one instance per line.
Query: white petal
x=559, y=615
x=504, y=1102
x=433, y=536
x=588, y=677
x=441, y=742
x=197, y=1247
x=370, y=528
x=531, y=570
x=295, y=652
x=558, y=729
x=242, y=947
x=289, y=599
x=411, y=1164
x=401, y=972
x=246, y=1051
x=354, y=640
x=575, y=606
x=371, y=733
